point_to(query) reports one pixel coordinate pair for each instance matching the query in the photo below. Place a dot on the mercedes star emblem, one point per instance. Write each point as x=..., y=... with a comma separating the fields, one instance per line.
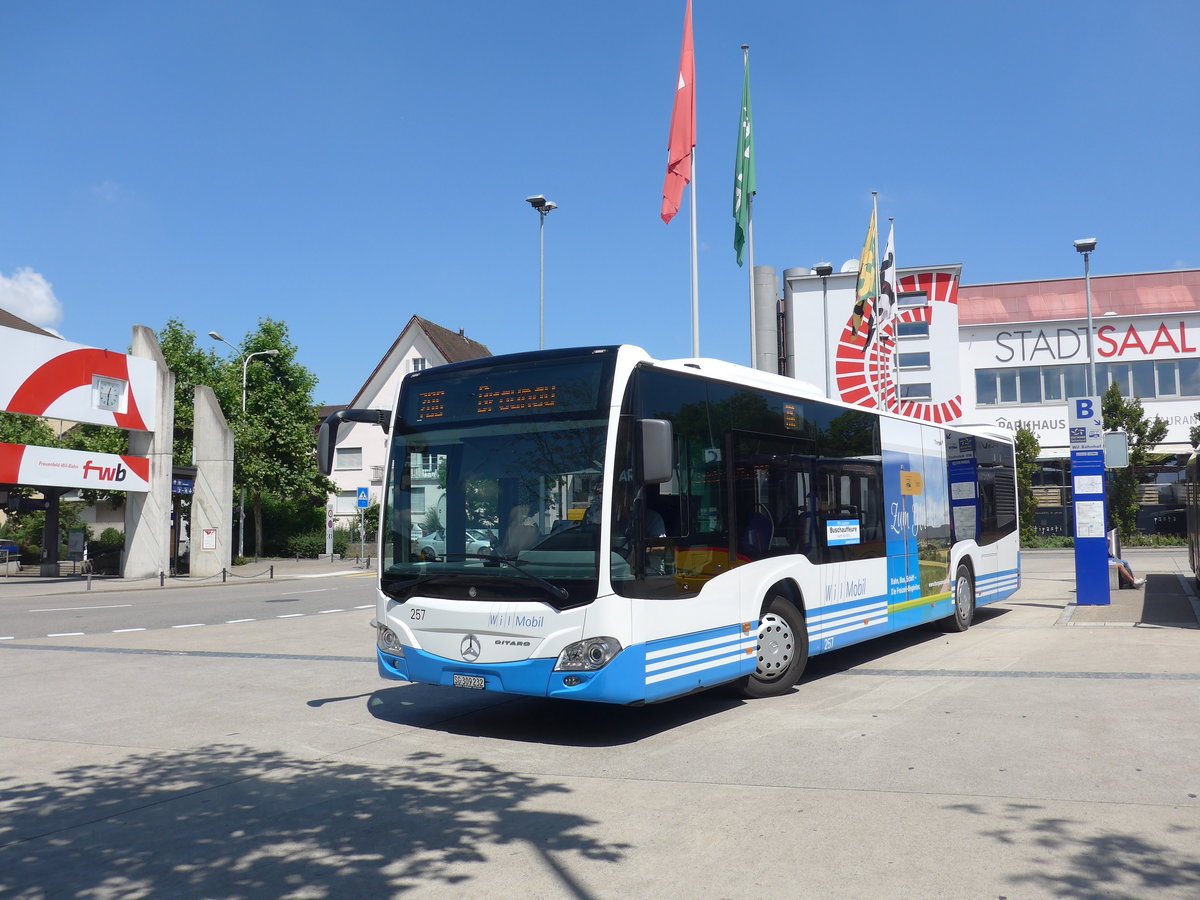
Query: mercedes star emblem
x=470, y=648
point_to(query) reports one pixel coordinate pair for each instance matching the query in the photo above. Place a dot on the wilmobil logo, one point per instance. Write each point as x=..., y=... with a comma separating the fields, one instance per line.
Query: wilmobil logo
x=105, y=473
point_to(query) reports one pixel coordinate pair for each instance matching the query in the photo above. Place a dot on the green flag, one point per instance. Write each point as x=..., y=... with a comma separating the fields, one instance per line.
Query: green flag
x=743, y=173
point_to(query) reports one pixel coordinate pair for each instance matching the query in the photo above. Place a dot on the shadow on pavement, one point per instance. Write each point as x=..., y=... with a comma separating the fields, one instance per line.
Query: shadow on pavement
x=541, y=721
x=1072, y=863
x=230, y=821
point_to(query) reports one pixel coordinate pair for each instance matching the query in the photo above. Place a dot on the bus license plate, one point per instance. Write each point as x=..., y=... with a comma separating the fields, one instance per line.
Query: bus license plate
x=474, y=682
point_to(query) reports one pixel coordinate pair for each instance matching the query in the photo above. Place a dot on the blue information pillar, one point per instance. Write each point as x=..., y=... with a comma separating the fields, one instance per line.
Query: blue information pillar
x=1087, y=481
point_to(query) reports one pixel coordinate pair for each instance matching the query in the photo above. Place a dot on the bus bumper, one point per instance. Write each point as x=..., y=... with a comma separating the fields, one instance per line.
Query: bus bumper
x=622, y=681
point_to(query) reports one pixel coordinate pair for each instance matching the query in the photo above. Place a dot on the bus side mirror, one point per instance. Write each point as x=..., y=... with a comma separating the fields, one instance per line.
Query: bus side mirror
x=327, y=435
x=657, y=451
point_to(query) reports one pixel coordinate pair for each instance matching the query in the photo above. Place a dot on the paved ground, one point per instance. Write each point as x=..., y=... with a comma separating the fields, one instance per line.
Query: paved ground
x=1048, y=752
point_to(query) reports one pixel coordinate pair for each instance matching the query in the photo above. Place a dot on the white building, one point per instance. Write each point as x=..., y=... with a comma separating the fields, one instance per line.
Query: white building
x=1002, y=354
x=361, y=452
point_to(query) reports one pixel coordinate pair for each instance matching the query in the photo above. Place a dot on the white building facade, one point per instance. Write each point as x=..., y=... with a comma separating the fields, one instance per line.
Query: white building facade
x=1007, y=355
x=361, y=452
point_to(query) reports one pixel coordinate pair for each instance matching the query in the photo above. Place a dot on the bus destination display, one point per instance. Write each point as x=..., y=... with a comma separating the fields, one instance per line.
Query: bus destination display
x=499, y=393
x=491, y=401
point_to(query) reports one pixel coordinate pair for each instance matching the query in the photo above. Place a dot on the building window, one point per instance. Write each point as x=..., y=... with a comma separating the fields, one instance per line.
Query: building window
x=912, y=330
x=1052, y=384
x=416, y=500
x=914, y=299
x=347, y=503
x=419, y=364
x=348, y=458
x=919, y=391
x=914, y=360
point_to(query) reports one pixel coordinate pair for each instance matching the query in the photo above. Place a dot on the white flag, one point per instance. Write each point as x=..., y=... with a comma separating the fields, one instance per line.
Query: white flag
x=885, y=304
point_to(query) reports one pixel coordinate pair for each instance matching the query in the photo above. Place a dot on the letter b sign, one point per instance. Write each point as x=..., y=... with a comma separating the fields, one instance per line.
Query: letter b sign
x=1084, y=408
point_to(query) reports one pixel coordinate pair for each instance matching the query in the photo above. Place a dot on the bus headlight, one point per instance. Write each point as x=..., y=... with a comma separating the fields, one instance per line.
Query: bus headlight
x=588, y=655
x=387, y=641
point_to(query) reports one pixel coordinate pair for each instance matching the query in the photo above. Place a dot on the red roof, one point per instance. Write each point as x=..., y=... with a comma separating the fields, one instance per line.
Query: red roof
x=1146, y=293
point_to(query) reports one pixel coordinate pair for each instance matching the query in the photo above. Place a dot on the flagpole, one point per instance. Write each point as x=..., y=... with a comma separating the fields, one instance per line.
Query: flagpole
x=875, y=308
x=695, y=267
x=891, y=308
x=749, y=198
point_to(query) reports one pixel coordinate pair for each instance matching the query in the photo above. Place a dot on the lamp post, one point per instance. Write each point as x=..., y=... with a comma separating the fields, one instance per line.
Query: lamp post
x=824, y=269
x=543, y=207
x=1086, y=246
x=245, y=363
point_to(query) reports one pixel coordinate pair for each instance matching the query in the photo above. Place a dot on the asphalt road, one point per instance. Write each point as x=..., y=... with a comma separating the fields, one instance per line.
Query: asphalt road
x=103, y=612
x=1025, y=758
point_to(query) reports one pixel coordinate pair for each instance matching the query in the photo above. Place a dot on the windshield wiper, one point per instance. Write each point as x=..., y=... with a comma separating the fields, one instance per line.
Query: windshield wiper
x=554, y=590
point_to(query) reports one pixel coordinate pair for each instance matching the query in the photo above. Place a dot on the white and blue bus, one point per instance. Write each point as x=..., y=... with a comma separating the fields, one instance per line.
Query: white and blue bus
x=657, y=528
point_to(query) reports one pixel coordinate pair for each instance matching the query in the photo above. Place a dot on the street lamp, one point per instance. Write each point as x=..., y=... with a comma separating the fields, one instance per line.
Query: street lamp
x=1086, y=246
x=543, y=207
x=824, y=269
x=245, y=363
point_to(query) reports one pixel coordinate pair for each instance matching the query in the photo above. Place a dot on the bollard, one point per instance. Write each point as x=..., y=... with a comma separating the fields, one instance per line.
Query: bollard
x=162, y=579
x=89, y=580
x=222, y=574
x=271, y=577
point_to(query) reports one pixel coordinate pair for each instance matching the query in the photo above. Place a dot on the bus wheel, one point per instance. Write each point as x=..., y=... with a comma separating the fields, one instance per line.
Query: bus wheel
x=782, y=650
x=964, y=601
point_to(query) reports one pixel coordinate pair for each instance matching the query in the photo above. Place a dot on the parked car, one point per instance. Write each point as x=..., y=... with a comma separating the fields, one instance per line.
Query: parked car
x=433, y=545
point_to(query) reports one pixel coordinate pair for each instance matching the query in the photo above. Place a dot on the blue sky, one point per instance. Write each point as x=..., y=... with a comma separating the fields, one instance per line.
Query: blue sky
x=343, y=166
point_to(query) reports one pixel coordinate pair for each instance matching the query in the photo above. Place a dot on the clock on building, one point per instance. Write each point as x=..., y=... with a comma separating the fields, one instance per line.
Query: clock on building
x=108, y=393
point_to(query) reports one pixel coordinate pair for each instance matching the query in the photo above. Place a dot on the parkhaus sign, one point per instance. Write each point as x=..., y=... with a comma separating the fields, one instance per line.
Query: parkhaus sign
x=1127, y=342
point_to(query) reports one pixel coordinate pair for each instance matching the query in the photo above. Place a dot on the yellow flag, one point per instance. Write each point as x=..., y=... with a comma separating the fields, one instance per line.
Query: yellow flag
x=866, y=288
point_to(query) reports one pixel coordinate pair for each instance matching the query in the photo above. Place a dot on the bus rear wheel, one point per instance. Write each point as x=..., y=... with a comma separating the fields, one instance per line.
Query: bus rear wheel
x=782, y=651
x=964, y=601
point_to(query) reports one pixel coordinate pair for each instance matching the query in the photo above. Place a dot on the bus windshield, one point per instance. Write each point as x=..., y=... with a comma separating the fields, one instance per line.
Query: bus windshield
x=491, y=481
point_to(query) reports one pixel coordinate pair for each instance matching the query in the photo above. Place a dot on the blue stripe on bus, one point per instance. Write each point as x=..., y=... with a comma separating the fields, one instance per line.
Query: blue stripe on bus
x=990, y=588
x=680, y=665
x=861, y=619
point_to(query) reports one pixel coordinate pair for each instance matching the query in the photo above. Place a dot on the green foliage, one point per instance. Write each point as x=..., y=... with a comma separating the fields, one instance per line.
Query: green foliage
x=28, y=528
x=192, y=367
x=433, y=521
x=1194, y=433
x=19, y=429
x=284, y=518
x=111, y=538
x=306, y=546
x=1027, y=449
x=1144, y=434
x=276, y=436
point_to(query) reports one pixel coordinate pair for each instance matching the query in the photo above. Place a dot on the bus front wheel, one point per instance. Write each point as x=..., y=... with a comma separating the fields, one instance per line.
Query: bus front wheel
x=781, y=653
x=964, y=601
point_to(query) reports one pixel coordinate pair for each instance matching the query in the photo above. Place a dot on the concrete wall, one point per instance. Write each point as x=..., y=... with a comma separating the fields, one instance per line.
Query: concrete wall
x=212, y=499
x=148, y=515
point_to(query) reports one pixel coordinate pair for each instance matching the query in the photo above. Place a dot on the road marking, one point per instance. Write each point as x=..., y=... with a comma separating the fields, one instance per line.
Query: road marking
x=123, y=630
x=324, y=611
x=236, y=621
x=6, y=638
x=313, y=591
x=290, y=616
x=193, y=625
x=75, y=608
x=67, y=634
x=366, y=606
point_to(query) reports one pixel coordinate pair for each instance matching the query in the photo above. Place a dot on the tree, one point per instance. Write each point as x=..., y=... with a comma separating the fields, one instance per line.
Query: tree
x=30, y=430
x=1027, y=449
x=276, y=437
x=1194, y=434
x=1144, y=435
x=193, y=367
